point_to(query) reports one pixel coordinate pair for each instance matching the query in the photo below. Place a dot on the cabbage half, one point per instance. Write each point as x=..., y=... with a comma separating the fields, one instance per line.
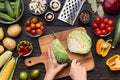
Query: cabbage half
x=60, y=53
x=79, y=42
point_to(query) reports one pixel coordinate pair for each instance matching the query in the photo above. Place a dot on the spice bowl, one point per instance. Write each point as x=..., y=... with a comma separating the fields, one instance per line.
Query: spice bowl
x=85, y=16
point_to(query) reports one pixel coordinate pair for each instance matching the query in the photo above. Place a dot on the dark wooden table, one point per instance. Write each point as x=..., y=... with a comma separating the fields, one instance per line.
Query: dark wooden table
x=100, y=72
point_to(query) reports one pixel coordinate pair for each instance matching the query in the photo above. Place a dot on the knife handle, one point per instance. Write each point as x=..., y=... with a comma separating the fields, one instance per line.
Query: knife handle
x=34, y=60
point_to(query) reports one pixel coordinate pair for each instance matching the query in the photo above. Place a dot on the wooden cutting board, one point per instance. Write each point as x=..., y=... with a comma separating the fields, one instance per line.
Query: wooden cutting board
x=44, y=42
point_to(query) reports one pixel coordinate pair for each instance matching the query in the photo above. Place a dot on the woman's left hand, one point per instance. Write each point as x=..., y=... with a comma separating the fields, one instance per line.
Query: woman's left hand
x=53, y=67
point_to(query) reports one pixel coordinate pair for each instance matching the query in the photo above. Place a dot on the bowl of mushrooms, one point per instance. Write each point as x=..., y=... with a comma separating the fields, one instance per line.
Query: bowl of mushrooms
x=38, y=7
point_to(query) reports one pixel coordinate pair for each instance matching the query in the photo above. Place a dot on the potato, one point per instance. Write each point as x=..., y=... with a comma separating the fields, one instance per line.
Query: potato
x=14, y=30
x=1, y=49
x=1, y=34
x=9, y=43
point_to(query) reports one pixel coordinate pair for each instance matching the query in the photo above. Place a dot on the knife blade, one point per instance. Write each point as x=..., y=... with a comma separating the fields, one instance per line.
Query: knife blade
x=54, y=35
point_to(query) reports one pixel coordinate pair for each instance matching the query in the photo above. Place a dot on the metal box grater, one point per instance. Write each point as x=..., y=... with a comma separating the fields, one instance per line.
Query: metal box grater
x=70, y=11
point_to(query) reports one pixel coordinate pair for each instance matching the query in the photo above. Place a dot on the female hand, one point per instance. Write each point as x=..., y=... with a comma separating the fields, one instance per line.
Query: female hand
x=77, y=72
x=53, y=67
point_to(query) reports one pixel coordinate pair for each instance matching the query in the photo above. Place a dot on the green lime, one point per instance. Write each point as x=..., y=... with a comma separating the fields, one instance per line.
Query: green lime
x=23, y=75
x=35, y=73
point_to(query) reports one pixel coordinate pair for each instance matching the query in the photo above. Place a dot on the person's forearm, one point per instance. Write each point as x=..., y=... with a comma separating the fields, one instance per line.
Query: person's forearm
x=49, y=76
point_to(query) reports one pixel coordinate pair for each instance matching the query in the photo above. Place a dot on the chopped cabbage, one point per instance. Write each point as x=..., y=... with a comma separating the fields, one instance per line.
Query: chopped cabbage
x=60, y=53
x=79, y=42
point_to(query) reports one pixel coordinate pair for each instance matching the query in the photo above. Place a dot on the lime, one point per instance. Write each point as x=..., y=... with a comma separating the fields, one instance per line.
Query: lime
x=35, y=73
x=23, y=75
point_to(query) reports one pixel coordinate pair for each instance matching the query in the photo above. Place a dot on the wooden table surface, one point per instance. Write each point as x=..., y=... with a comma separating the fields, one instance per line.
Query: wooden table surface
x=100, y=72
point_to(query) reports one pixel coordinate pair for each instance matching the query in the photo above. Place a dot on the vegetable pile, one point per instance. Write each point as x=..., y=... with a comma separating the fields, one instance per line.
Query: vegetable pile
x=102, y=26
x=10, y=11
x=34, y=26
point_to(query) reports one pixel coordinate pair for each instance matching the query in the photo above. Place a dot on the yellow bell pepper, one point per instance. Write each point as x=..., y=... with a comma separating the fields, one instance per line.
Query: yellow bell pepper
x=105, y=52
x=114, y=63
x=103, y=47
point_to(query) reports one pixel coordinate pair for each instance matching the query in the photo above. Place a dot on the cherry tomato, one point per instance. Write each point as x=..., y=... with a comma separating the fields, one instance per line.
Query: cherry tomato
x=107, y=26
x=98, y=32
x=38, y=31
x=102, y=26
x=34, y=20
x=104, y=32
x=32, y=25
x=27, y=23
x=41, y=23
x=105, y=20
x=42, y=27
x=110, y=22
x=95, y=25
x=38, y=25
x=109, y=29
x=97, y=20
x=33, y=32
x=97, y=29
x=28, y=29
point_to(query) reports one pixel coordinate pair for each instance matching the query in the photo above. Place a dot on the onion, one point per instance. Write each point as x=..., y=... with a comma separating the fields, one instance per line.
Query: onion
x=111, y=6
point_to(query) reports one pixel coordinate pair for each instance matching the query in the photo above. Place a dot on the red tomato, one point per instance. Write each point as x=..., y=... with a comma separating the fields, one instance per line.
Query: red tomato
x=97, y=20
x=95, y=25
x=109, y=29
x=98, y=32
x=42, y=27
x=105, y=20
x=41, y=23
x=38, y=31
x=97, y=29
x=110, y=22
x=102, y=26
x=27, y=23
x=107, y=26
x=33, y=32
x=104, y=32
x=38, y=25
x=32, y=25
x=34, y=20
x=28, y=29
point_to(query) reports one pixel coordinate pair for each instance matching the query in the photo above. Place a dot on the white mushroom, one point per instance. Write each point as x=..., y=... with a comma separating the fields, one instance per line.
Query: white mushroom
x=33, y=0
x=41, y=8
x=55, y=5
x=37, y=11
x=38, y=6
x=33, y=6
x=43, y=2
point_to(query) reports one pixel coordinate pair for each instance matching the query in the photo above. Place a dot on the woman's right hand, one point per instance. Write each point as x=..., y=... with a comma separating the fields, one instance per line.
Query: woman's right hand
x=77, y=72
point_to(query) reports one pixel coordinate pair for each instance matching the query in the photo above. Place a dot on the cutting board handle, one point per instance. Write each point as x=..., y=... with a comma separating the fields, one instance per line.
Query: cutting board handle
x=34, y=60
